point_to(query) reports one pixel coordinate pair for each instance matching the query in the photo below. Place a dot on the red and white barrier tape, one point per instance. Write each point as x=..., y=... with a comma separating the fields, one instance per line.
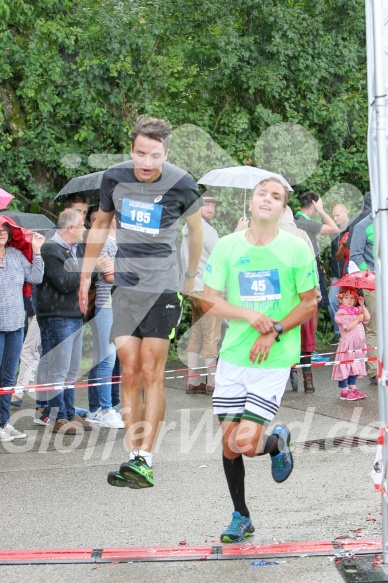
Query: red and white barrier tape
x=332, y=362
x=47, y=387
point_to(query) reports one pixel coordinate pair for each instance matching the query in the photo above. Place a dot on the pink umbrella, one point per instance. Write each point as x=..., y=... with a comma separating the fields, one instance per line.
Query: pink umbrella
x=358, y=279
x=5, y=198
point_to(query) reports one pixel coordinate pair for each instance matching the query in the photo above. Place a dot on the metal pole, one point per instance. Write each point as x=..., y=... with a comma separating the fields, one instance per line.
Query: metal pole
x=380, y=221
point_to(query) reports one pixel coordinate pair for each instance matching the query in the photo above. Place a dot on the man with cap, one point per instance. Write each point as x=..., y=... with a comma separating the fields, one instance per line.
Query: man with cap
x=205, y=329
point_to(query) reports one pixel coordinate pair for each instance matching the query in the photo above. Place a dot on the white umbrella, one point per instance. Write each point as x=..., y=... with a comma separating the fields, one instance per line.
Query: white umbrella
x=245, y=177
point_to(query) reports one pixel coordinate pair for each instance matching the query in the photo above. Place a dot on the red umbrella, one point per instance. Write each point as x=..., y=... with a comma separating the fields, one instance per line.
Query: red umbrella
x=5, y=198
x=357, y=279
x=21, y=239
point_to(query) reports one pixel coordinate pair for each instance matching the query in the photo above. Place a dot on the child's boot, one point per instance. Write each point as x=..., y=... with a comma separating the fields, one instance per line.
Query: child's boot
x=308, y=381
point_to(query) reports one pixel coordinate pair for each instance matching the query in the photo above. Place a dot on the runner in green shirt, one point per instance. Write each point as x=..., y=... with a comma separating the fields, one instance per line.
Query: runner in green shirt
x=270, y=280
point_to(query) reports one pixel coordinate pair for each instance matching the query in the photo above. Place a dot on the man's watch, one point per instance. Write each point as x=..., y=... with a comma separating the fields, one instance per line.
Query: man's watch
x=279, y=329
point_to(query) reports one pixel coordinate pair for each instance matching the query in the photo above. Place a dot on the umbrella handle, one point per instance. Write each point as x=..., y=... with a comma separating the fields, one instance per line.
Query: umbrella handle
x=245, y=203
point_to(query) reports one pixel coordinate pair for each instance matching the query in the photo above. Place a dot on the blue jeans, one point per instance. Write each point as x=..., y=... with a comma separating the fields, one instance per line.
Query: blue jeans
x=115, y=388
x=333, y=303
x=351, y=380
x=11, y=344
x=104, y=358
x=94, y=400
x=60, y=361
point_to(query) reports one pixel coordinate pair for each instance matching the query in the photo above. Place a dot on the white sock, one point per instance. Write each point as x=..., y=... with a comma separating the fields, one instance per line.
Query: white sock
x=145, y=454
x=192, y=362
x=211, y=371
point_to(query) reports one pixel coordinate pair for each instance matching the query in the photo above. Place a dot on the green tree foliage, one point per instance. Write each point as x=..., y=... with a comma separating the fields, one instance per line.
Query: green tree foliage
x=75, y=74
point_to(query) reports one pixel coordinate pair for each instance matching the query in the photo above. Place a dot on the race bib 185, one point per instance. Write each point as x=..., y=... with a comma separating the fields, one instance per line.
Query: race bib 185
x=259, y=286
x=141, y=216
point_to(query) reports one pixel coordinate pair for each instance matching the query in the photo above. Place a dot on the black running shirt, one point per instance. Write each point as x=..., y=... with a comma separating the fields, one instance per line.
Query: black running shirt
x=148, y=218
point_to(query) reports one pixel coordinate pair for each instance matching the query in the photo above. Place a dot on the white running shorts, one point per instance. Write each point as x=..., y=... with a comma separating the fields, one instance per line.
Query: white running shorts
x=257, y=390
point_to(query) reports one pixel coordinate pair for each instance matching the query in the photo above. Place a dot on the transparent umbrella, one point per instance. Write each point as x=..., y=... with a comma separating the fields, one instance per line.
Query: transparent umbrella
x=245, y=177
x=31, y=221
x=88, y=184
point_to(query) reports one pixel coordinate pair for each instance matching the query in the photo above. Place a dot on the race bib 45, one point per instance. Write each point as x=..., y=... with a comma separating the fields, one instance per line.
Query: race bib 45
x=259, y=286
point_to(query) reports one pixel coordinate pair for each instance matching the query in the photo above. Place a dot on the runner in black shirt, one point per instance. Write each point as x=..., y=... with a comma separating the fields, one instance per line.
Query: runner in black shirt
x=149, y=197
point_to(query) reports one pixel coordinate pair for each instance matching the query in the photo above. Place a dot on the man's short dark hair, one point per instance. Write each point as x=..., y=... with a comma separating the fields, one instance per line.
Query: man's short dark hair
x=154, y=128
x=74, y=198
x=92, y=209
x=307, y=198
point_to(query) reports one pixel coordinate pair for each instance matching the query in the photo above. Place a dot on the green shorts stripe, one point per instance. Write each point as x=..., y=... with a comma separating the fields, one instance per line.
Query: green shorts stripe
x=231, y=417
x=255, y=418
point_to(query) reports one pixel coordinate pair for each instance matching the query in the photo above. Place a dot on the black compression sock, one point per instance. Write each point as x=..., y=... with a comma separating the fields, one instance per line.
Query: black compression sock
x=271, y=445
x=235, y=476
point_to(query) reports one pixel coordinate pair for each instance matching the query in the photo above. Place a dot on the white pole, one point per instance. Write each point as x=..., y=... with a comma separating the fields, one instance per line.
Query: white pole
x=379, y=181
x=245, y=203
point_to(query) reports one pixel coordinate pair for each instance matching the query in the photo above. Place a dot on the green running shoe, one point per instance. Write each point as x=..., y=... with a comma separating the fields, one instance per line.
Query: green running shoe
x=138, y=471
x=116, y=479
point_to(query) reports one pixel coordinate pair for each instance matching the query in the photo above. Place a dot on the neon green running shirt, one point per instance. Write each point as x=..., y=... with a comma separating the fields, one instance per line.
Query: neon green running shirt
x=267, y=279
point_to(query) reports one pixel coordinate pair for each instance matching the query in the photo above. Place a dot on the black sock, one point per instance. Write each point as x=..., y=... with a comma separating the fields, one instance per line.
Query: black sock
x=235, y=476
x=271, y=445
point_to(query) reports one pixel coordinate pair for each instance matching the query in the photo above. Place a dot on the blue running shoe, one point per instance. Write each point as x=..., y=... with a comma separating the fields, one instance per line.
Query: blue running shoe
x=238, y=529
x=283, y=462
x=315, y=357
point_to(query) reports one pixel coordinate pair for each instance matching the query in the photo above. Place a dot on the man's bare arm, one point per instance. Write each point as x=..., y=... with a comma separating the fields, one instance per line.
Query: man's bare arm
x=302, y=312
x=329, y=226
x=95, y=242
x=213, y=300
x=195, y=243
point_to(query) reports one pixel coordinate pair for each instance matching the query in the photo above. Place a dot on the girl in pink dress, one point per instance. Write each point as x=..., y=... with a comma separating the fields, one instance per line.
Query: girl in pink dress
x=351, y=316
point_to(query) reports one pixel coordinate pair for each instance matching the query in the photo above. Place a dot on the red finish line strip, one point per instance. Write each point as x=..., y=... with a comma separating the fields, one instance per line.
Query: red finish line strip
x=189, y=553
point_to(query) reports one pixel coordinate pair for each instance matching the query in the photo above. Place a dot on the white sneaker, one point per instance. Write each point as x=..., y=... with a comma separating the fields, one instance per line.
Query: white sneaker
x=4, y=436
x=94, y=417
x=117, y=407
x=14, y=433
x=111, y=419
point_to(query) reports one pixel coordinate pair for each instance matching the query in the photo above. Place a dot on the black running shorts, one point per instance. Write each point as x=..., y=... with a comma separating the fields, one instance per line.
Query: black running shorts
x=145, y=315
